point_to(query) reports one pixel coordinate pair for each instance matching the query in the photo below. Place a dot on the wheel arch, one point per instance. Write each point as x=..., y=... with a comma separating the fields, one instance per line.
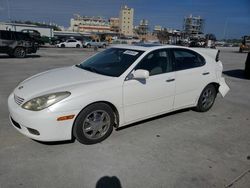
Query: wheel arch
x=215, y=84
x=113, y=107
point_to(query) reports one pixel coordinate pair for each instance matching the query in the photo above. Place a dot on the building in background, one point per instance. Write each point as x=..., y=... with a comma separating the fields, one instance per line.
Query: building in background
x=193, y=25
x=114, y=24
x=126, y=21
x=157, y=28
x=143, y=28
x=85, y=24
x=43, y=30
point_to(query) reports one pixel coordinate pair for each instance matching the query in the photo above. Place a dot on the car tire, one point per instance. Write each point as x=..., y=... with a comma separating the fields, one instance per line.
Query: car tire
x=62, y=45
x=78, y=46
x=207, y=98
x=104, y=45
x=19, y=52
x=88, y=46
x=94, y=124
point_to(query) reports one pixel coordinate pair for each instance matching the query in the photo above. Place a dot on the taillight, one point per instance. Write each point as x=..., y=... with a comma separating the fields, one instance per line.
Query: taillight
x=217, y=58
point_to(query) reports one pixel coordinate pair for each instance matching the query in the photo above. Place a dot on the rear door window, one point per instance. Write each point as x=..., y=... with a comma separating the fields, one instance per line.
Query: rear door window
x=6, y=35
x=187, y=59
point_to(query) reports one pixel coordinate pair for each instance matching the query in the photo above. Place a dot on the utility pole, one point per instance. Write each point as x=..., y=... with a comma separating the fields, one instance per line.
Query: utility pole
x=225, y=29
x=8, y=10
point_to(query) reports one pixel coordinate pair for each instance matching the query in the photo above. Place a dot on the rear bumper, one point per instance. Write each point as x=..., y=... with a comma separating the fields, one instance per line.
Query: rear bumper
x=224, y=88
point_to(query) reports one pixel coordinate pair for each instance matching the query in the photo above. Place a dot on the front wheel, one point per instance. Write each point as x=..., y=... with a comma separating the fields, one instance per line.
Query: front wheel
x=94, y=124
x=19, y=52
x=78, y=46
x=206, y=99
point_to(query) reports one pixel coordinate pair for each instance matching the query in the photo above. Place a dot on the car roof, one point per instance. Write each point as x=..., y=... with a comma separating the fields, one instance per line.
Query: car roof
x=208, y=52
x=147, y=47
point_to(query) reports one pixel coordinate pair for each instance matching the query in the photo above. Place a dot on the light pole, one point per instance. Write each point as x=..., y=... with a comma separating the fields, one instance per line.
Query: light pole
x=225, y=28
x=8, y=10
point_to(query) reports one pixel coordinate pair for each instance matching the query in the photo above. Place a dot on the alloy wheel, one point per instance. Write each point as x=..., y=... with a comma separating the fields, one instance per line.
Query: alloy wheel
x=207, y=98
x=96, y=124
x=20, y=52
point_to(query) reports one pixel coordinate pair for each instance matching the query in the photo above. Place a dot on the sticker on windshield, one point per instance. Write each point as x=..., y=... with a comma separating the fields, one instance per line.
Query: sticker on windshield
x=130, y=52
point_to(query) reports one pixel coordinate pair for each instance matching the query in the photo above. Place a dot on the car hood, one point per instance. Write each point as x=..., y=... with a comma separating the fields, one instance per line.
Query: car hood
x=56, y=80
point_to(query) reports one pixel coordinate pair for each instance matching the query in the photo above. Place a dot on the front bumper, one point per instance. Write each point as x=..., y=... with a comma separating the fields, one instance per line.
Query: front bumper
x=43, y=122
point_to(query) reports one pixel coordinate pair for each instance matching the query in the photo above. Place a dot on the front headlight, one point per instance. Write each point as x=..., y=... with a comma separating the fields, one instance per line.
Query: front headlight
x=42, y=102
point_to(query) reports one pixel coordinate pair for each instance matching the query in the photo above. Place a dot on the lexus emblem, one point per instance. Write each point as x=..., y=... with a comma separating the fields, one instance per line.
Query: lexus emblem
x=21, y=87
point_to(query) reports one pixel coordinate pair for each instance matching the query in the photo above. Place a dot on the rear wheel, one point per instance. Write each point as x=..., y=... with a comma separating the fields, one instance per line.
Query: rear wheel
x=88, y=46
x=78, y=46
x=94, y=124
x=104, y=45
x=19, y=52
x=206, y=99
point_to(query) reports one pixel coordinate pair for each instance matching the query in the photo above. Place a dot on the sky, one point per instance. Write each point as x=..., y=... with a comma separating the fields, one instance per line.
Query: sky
x=225, y=18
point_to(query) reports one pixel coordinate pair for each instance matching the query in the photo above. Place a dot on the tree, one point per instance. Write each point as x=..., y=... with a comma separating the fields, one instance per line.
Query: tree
x=210, y=36
x=163, y=36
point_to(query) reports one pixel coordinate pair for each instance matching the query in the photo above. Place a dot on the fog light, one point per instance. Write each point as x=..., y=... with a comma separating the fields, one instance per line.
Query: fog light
x=33, y=131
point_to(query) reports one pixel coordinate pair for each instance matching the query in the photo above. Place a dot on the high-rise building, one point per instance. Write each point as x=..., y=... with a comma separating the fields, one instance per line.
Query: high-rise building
x=193, y=25
x=126, y=21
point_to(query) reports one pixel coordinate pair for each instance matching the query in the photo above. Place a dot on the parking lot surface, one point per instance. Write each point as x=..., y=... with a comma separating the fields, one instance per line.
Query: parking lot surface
x=182, y=149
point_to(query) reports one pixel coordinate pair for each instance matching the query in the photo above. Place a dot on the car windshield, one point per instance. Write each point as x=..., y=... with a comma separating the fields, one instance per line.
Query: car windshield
x=111, y=62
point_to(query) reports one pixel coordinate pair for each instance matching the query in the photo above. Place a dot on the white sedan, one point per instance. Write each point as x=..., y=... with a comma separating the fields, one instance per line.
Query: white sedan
x=114, y=88
x=70, y=43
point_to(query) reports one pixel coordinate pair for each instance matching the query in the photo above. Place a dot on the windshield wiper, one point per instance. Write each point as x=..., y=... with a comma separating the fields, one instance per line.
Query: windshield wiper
x=91, y=69
x=79, y=66
x=88, y=68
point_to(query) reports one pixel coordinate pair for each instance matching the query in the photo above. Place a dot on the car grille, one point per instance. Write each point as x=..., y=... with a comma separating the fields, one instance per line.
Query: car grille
x=18, y=100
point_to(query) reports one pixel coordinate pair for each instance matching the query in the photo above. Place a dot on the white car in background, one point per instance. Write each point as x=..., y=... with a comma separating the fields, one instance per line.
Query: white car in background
x=114, y=88
x=70, y=43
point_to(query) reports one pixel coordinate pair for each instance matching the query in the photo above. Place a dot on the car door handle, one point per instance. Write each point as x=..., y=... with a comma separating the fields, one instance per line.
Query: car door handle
x=170, y=80
x=205, y=73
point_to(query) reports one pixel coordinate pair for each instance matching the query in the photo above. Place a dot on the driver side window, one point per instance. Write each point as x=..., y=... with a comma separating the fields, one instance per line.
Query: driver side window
x=156, y=62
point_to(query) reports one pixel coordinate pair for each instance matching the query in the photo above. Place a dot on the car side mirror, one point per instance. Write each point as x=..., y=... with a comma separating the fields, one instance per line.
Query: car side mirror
x=141, y=74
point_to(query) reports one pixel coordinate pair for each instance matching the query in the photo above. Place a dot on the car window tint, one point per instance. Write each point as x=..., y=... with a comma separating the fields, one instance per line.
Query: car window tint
x=6, y=35
x=187, y=59
x=21, y=36
x=156, y=62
